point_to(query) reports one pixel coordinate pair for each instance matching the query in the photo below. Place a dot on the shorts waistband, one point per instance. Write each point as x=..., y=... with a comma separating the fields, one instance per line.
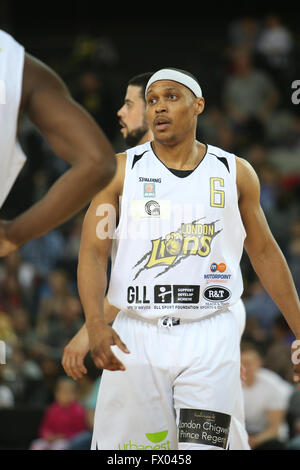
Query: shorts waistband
x=164, y=322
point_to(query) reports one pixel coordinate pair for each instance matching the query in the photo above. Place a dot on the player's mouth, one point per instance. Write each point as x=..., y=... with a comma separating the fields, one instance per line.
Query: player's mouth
x=162, y=123
x=123, y=127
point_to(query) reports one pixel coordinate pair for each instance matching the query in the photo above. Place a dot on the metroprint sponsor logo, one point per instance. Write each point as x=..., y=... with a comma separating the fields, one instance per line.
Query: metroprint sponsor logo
x=157, y=439
x=217, y=273
x=191, y=239
x=221, y=267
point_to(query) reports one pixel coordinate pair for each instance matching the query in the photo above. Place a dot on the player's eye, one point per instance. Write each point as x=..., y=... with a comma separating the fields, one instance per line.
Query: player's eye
x=151, y=100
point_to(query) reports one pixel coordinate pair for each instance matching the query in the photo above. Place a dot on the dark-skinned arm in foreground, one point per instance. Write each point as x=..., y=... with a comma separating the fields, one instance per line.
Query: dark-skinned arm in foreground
x=73, y=136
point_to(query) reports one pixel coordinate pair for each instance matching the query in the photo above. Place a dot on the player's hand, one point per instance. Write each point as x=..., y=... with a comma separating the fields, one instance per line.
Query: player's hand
x=74, y=354
x=6, y=245
x=101, y=338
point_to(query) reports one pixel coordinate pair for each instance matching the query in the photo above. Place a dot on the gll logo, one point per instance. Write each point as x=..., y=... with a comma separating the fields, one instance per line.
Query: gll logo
x=152, y=208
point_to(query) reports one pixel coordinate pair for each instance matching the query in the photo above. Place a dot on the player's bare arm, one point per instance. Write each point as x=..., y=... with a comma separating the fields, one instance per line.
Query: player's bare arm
x=76, y=138
x=265, y=255
x=92, y=278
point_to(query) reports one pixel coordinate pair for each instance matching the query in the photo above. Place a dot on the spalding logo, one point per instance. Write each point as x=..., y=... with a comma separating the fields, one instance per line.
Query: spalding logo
x=217, y=294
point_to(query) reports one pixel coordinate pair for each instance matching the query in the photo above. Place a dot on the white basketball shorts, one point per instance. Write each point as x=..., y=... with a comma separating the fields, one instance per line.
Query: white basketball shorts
x=179, y=389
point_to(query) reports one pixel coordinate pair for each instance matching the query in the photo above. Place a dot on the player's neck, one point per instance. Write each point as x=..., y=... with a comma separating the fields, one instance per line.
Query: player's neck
x=185, y=155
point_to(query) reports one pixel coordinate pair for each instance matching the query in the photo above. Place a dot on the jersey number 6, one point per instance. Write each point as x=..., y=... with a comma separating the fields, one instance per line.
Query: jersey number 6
x=217, y=196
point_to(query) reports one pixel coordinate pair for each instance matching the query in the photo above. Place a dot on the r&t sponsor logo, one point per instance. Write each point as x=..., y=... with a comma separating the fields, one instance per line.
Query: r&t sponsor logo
x=191, y=239
x=216, y=294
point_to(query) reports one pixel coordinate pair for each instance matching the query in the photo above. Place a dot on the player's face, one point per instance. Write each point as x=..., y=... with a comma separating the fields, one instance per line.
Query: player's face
x=172, y=110
x=132, y=116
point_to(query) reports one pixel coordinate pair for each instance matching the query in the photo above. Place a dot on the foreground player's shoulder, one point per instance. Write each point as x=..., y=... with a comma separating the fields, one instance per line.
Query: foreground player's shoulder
x=246, y=179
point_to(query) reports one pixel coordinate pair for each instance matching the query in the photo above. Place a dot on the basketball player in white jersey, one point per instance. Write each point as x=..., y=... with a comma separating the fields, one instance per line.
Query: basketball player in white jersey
x=29, y=86
x=135, y=130
x=174, y=383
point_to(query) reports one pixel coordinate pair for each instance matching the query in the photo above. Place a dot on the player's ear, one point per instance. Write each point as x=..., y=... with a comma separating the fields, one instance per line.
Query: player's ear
x=199, y=105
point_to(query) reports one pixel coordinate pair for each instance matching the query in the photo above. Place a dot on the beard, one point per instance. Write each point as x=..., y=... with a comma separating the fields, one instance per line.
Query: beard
x=134, y=137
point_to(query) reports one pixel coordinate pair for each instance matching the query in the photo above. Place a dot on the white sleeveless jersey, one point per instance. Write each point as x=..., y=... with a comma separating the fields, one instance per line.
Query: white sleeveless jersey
x=177, y=248
x=11, y=73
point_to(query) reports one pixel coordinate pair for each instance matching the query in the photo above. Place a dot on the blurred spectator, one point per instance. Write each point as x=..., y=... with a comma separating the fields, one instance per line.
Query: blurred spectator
x=64, y=418
x=22, y=375
x=278, y=355
x=14, y=264
x=260, y=306
x=45, y=252
x=7, y=332
x=280, y=217
x=57, y=334
x=269, y=184
x=25, y=333
x=293, y=420
x=275, y=44
x=11, y=294
x=266, y=397
x=83, y=441
x=52, y=299
x=6, y=395
x=254, y=334
x=249, y=97
x=243, y=33
x=215, y=127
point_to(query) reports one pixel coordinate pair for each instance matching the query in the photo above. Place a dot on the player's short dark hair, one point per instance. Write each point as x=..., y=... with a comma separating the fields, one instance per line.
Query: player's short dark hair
x=141, y=81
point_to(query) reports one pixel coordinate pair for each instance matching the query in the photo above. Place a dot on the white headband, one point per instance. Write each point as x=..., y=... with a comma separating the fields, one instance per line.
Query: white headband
x=176, y=76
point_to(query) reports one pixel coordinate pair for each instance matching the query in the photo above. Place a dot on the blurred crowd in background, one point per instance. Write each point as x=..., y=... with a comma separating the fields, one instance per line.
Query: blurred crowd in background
x=249, y=111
